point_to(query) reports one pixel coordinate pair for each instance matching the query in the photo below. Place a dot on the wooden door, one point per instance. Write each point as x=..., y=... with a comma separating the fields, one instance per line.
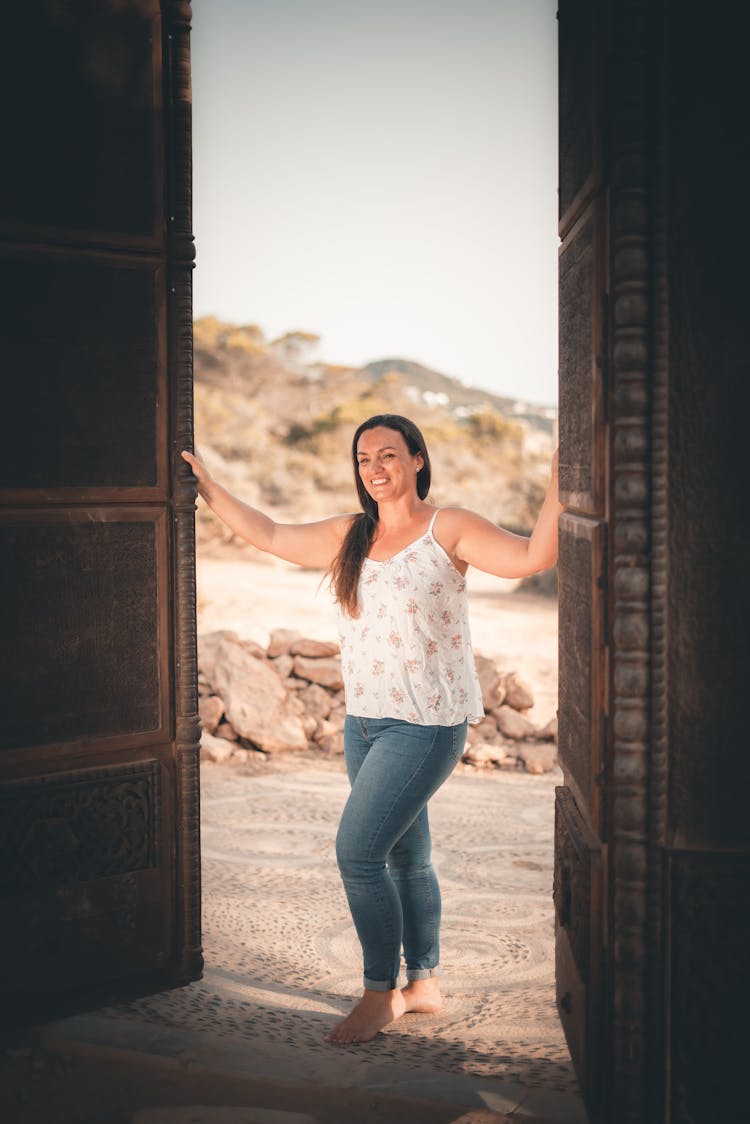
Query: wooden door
x=581, y=808
x=99, y=828
x=652, y=828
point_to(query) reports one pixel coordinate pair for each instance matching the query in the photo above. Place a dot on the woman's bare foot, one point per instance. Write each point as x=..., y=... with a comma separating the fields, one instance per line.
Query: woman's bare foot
x=423, y=996
x=375, y=1010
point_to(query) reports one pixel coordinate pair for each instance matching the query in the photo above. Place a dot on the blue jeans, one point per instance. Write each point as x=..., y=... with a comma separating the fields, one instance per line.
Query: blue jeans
x=383, y=843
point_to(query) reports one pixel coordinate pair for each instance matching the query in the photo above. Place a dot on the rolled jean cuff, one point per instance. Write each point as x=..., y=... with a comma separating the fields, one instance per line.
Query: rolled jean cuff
x=380, y=985
x=422, y=973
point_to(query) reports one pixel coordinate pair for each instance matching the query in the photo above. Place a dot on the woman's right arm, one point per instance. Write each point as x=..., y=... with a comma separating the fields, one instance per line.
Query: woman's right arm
x=313, y=545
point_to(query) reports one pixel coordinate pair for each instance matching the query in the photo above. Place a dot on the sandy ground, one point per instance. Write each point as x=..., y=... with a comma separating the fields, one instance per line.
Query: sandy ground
x=516, y=629
x=282, y=961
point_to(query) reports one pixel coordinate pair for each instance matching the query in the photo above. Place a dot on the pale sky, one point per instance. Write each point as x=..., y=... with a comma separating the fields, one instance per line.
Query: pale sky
x=383, y=173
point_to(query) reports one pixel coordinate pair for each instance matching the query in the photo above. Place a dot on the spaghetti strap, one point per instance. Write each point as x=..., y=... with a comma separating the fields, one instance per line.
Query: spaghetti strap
x=432, y=521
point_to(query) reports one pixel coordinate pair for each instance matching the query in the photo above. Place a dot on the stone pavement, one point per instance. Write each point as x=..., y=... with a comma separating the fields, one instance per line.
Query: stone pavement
x=282, y=960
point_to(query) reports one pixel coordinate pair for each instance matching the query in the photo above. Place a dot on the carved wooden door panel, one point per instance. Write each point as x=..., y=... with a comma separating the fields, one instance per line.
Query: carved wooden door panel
x=581, y=811
x=99, y=883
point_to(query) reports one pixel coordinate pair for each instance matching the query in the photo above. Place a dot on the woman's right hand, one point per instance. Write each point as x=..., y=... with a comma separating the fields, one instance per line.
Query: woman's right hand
x=313, y=545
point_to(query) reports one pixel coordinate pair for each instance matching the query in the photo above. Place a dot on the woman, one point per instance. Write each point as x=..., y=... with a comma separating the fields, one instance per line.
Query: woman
x=397, y=571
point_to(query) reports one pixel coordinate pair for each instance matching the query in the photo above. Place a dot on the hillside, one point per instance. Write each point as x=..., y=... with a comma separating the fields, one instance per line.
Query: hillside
x=461, y=397
x=275, y=425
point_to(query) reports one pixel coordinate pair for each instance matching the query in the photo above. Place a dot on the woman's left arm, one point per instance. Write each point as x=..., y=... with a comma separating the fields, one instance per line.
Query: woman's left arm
x=502, y=553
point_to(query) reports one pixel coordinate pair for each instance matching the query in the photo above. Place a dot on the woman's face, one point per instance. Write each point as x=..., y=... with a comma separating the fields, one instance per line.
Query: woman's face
x=387, y=469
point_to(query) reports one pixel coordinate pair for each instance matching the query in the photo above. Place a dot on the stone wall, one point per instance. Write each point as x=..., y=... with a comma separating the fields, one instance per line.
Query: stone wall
x=289, y=697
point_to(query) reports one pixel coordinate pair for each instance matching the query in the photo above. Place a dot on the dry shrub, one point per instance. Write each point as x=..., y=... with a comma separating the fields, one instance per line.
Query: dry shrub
x=280, y=437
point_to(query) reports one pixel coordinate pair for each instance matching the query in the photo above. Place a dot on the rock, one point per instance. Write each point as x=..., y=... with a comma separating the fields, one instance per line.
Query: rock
x=332, y=743
x=538, y=757
x=323, y=729
x=310, y=725
x=484, y=731
x=280, y=642
x=257, y=756
x=549, y=732
x=497, y=752
x=337, y=719
x=316, y=700
x=314, y=649
x=283, y=665
x=472, y=737
x=326, y=671
x=295, y=704
x=490, y=681
x=256, y=701
x=211, y=712
x=204, y=687
x=511, y=762
x=517, y=693
x=327, y=726
x=512, y=724
x=484, y=753
x=214, y=749
x=208, y=645
x=240, y=755
x=227, y=731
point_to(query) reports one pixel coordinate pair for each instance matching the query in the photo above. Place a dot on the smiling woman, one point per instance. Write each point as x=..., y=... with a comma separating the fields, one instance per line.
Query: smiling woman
x=398, y=574
x=390, y=460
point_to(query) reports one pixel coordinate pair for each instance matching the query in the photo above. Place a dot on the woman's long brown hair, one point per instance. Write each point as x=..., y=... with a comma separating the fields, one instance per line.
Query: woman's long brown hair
x=347, y=565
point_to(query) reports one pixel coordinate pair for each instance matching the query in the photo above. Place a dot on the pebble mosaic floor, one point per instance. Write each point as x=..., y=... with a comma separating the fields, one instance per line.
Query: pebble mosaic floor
x=282, y=961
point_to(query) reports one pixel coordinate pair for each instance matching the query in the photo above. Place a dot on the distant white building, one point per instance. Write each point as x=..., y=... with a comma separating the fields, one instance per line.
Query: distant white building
x=435, y=398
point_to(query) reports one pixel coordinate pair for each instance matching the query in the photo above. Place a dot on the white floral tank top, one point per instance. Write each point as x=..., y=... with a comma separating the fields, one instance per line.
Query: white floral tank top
x=408, y=654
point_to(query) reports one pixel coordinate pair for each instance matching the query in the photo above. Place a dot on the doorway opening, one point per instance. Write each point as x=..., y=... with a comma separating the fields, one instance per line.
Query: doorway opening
x=280, y=948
